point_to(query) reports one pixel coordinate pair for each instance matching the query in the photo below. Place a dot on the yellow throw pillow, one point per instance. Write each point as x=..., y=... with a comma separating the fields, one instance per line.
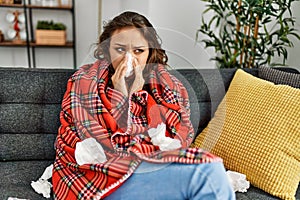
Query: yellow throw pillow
x=256, y=130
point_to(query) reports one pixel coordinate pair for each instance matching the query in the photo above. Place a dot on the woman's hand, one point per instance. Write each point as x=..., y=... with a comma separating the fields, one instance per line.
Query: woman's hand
x=118, y=79
x=139, y=80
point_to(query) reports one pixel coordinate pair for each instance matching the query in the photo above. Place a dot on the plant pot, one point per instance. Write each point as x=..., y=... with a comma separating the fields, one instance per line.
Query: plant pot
x=50, y=37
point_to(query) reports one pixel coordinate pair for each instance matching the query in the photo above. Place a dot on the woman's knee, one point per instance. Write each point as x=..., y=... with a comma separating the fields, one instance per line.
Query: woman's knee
x=214, y=182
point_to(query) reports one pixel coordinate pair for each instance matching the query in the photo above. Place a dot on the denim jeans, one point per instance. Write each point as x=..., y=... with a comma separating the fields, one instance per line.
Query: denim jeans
x=176, y=181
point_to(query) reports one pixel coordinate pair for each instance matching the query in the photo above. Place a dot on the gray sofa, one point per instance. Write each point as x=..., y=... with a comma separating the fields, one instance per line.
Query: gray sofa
x=29, y=118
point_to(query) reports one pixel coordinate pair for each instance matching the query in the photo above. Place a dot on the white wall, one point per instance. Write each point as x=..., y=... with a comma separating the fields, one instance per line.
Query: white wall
x=294, y=53
x=175, y=20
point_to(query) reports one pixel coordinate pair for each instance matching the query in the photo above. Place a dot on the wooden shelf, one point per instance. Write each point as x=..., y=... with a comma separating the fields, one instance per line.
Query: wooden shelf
x=69, y=44
x=30, y=43
x=50, y=7
x=12, y=5
x=8, y=43
x=37, y=6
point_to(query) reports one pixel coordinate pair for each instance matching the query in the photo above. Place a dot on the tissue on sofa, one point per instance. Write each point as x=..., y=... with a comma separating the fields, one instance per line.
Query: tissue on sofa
x=89, y=151
x=238, y=181
x=42, y=186
x=159, y=138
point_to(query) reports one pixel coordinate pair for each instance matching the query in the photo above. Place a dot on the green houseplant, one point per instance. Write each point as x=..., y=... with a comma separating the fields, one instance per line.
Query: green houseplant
x=50, y=33
x=248, y=33
x=50, y=25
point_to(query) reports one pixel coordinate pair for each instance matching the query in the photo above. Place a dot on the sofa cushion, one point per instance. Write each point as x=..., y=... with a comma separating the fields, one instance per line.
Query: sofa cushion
x=27, y=117
x=30, y=106
x=206, y=88
x=33, y=85
x=16, y=178
x=254, y=193
x=278, y=76
x=256, y=131
x=27, y=146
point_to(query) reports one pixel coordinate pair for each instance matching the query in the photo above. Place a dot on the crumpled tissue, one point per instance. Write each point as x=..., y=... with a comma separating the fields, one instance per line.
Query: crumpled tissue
x=159, y=138
x=89, y=151
x=129, y=70
x=42, y=186
x=238, y=181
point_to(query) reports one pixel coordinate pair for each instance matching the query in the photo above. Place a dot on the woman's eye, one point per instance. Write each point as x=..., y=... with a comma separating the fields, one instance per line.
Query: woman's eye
x=137, y=51
x=120, y=49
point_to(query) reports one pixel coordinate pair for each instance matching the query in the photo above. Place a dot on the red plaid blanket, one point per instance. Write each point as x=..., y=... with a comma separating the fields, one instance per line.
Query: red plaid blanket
x=92, y=108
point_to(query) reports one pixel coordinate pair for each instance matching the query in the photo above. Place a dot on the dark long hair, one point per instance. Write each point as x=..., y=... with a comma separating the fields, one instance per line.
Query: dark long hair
x=132, y=19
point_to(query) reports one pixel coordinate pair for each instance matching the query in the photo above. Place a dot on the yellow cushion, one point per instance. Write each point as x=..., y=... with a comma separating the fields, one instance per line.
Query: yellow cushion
x=256, y=130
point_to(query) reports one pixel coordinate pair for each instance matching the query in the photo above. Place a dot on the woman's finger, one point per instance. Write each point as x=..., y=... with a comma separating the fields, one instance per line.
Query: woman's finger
x=121, y=68
x=138, y=68
x=139, y=81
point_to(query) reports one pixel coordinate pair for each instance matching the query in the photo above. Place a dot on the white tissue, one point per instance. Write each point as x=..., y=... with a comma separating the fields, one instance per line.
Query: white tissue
x=129, y=70
x=159, y=138
x=238, y=181
x=47, y=173
x=42, y=186
x=15, y=198
x=89, y=151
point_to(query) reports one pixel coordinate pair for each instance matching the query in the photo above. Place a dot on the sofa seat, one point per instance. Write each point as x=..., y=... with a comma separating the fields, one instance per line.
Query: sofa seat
x=30, y=101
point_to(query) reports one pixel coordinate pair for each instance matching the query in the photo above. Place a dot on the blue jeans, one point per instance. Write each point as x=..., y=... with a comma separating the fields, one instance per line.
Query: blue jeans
x=176, y=181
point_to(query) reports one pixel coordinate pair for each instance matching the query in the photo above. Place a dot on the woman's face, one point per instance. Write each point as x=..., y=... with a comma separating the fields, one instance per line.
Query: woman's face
x=129, y=40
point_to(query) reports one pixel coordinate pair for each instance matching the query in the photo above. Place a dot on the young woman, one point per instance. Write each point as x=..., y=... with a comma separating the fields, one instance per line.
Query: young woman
x=125, y=128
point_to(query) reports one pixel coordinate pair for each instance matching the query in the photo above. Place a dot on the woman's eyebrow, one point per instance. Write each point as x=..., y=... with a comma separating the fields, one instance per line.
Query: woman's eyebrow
x=118, y=44
x=140, y=47
x=135, y=47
